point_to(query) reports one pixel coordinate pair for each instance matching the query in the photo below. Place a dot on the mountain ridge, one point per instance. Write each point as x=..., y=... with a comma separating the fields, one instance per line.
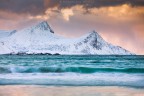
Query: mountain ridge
x=40, y=39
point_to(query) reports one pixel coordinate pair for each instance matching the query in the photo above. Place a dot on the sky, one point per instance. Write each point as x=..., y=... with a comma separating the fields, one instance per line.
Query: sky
x=120, y=22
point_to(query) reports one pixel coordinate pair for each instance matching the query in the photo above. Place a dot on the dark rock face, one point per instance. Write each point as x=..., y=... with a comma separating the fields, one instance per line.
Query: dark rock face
x=43, y=54
x=56, y=54
x=21, y=53
x=96, y=44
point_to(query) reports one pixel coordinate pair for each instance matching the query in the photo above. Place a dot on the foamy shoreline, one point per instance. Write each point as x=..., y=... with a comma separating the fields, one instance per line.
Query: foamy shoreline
x=31, y=90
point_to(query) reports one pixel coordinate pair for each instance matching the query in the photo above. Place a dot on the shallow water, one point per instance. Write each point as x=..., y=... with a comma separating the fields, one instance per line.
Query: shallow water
x=72, y=70
x=30, y=90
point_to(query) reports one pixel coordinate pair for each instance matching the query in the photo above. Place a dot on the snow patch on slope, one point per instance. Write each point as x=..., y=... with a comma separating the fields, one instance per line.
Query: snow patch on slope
x=5, y=33
x=4, y=49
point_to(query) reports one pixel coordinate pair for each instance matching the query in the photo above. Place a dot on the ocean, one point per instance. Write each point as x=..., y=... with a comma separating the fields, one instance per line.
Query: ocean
x=72, y=70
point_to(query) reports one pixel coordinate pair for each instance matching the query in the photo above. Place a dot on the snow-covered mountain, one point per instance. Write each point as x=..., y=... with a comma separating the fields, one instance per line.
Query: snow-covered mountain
x=40, y=39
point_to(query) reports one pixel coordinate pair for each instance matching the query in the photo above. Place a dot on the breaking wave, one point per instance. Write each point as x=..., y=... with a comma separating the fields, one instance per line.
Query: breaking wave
x=25, y=69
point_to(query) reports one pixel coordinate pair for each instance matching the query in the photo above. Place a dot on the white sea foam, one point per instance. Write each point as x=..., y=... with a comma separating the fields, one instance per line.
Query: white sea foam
x=101, y=79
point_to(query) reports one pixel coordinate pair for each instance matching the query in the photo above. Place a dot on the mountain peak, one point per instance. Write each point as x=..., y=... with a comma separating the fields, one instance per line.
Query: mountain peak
x=44, y=26
x=94, y=34
x=44, y=23
x=95, y=39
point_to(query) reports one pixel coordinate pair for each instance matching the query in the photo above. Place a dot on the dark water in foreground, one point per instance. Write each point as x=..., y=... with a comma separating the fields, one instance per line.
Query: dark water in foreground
x=72, y=70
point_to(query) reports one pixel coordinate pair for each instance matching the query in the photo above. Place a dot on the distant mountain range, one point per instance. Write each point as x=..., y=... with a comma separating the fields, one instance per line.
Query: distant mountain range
x=40, y=39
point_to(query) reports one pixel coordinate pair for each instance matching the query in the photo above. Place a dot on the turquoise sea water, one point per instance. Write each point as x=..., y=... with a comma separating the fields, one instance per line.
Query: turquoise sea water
x=72, y=70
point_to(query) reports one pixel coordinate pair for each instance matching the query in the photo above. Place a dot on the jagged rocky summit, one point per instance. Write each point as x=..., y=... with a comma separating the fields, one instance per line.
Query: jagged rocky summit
x=40, y=39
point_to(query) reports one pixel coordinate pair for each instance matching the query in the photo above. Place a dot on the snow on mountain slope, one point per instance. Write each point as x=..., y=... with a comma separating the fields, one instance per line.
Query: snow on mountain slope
x=4, y=49
x=4, y=33
x=41, y=39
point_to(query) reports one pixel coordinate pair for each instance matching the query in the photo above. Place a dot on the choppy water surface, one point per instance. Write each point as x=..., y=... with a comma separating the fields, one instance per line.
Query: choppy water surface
x=72, y=70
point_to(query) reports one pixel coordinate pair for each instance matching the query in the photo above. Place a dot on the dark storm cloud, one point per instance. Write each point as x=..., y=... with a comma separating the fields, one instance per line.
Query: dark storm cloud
x=93, y=3
x=22, y=6
x=39, y=6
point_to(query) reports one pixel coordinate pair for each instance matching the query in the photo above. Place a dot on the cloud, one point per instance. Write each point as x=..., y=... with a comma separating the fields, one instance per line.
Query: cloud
x=12, y=21
x=22, y=6
x=67, y=13
x=55, y=12
x=36, y=7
